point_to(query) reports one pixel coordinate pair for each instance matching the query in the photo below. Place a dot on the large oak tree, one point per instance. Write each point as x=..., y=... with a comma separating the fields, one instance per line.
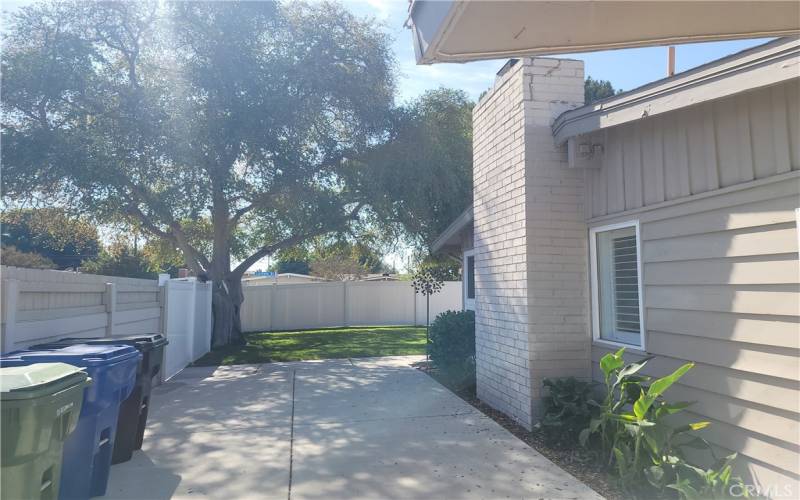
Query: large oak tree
x=247, y=115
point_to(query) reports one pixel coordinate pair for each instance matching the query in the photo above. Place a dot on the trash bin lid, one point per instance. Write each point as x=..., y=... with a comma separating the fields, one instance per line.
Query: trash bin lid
x=143, y=342
x=79, y=354
x=37, y=380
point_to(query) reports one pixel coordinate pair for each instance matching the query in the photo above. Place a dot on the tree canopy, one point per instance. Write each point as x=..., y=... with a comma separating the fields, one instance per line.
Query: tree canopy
x=332, y=258
x=120, y=259
x=62, y=240
x=423, y=172
x=247, y=115
x=594, y=90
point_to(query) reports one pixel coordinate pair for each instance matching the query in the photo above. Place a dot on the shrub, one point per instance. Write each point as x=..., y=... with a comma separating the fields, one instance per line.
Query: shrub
x=644, y=450
x=567, y=410
x=452, y=348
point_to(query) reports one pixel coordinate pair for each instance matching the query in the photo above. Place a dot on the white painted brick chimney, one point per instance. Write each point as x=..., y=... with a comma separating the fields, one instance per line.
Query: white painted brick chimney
x=530, y=238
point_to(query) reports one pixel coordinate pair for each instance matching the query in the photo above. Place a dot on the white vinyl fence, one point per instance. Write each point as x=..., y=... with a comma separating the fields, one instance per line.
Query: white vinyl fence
x=42, y=306
x=187, y=322
x=298, y=306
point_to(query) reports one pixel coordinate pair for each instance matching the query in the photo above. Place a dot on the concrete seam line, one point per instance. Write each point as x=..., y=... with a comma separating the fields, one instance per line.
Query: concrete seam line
x=291, y=437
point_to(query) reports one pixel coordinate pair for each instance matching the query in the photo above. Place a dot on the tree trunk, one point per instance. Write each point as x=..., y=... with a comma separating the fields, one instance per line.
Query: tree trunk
x=226, y=303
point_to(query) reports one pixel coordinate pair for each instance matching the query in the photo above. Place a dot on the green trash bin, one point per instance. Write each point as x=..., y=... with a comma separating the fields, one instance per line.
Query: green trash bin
x=40, y=405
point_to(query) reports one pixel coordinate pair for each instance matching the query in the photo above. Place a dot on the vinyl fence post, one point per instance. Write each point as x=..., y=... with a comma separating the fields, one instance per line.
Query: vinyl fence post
x=346, y=304
x=110, y=301
x=414, y=300
x=191, y=313
x=272, y=291
x=10, y=299
x=163, y=299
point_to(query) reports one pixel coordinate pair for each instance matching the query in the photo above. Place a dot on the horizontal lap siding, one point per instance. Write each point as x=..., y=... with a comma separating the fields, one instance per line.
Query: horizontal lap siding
x=720, y=263
x=722, y=288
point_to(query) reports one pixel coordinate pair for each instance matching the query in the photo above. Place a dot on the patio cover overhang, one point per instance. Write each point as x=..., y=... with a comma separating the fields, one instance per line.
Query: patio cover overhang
x=469, y=30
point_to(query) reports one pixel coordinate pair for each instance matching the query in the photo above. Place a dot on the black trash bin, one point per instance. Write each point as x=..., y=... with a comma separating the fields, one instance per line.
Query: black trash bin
x=133, y=411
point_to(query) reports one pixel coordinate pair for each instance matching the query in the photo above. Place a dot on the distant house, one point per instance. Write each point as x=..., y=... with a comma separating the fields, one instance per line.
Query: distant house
x=663, y=220
x=379, y=277
x=282, y=278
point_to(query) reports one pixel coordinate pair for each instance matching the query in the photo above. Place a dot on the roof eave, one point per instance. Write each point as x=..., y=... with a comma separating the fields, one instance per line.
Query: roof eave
x=461, y=222
x=764, y=65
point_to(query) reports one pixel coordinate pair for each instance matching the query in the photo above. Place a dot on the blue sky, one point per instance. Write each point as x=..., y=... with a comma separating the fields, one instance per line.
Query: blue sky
x=626, y=69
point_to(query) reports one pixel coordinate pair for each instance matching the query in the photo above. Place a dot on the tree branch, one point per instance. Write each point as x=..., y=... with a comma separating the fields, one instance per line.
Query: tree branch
x=291, y=241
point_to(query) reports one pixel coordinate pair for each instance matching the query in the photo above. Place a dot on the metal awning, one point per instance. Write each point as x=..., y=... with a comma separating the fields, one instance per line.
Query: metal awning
x=469, y=30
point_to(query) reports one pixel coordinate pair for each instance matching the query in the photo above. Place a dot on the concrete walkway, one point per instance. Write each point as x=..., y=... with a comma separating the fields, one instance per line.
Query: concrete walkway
x=336, y=429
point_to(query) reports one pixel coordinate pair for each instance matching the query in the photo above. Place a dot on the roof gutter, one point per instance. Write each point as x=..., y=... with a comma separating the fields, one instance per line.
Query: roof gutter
x=760, y=66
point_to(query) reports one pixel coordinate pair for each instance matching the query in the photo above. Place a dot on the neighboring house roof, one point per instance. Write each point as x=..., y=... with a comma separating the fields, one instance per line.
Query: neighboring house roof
x=452, y=234
x=380, y=277
x=301, y=276
x=297, y=276
x=766, y=64
x=464, y=30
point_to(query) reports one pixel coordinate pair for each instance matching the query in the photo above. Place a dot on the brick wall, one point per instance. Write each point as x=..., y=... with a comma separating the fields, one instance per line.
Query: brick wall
x=557, y=257
x=529, y=238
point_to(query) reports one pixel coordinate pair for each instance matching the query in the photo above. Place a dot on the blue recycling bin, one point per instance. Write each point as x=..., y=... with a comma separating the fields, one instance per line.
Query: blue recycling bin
x=88, y=450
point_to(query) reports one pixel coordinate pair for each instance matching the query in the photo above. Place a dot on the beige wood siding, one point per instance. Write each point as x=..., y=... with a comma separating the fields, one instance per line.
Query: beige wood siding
x=699, y=149
x=722, y=288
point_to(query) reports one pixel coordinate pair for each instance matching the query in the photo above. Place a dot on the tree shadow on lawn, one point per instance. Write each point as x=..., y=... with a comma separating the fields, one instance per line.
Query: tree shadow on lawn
x=328, y=343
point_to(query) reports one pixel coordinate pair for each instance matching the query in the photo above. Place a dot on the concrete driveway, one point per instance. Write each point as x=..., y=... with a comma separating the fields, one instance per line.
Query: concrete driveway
x=362, y=428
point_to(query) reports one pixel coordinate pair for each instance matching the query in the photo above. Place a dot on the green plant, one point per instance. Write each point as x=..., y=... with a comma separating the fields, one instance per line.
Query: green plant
x=644, y=450
x=567, y=410
x=695, y=483
x=452, y=348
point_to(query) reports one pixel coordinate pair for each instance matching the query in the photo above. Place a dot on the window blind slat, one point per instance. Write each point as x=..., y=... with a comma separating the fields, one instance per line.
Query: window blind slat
x=626, y=284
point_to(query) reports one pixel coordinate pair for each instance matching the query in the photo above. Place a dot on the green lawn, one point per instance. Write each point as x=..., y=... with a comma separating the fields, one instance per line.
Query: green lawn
x=325, y=343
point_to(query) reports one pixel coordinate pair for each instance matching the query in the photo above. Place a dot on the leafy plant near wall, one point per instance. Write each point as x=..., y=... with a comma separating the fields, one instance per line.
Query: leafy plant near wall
x=645, y=451
x=452, y=348
x=568, y=409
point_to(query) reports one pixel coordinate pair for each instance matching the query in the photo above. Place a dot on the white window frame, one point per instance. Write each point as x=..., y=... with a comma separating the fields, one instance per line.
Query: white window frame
x=469, y=304
x=595, y=286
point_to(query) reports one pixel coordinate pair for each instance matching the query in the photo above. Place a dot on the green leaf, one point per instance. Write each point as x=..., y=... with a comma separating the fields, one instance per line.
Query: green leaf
x=725, y=474
x=672, y=408
x=699, y=425
x=659, y=386
x=655, y=476
x=622, y=464
x=583, y=437
x=611, y=362
x=685, y=489
x=641, y=406
x=632, y=368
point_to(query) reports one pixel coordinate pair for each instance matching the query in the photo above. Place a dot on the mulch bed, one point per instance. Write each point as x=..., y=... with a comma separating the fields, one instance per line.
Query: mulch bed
x=575, y=461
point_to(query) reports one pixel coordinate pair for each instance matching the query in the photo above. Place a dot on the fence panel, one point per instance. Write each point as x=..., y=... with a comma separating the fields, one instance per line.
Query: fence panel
x=450, y=298
x=322, y=305
x=187, y=323
x=298, y=306
x=380, y=303
x=43, y=305
x=202, y=320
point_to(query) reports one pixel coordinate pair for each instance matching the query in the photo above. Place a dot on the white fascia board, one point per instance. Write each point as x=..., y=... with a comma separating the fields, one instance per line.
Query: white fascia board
x=767, y=64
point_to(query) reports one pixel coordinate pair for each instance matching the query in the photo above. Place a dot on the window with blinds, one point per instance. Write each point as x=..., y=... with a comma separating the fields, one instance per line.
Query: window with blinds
x=615, y=283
